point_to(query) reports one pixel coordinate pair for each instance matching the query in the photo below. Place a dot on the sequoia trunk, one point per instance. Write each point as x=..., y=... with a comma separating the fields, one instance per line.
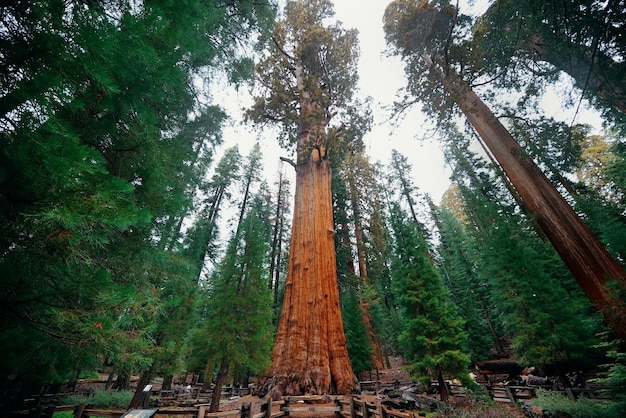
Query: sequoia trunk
x=310, y=354
x=590, y=263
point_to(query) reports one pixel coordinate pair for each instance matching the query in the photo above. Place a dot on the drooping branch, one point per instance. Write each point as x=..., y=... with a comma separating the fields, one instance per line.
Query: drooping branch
x=289, y=161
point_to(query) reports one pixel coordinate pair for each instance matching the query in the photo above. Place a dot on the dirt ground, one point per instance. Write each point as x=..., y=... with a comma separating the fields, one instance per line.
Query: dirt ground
x=387, y=377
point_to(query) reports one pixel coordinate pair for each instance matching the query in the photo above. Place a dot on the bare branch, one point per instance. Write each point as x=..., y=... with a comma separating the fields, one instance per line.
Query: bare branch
x=288, y=160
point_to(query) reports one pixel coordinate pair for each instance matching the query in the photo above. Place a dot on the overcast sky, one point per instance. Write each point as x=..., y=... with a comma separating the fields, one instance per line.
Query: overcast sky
x=380, y=77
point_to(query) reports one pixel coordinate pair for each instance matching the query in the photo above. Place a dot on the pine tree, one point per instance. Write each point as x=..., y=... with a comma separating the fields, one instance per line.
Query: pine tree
x=433, y=336
x=432, y=72
x=99, y=159
x=357, y=335
x=458, y=270
x=236, y=325
x=530, y=290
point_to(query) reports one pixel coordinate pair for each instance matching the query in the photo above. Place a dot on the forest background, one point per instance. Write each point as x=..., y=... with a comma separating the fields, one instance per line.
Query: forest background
x=114, y=194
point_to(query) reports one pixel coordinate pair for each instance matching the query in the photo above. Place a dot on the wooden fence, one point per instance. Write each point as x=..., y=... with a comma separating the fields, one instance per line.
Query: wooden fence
x=341, y=407
x=514, y=394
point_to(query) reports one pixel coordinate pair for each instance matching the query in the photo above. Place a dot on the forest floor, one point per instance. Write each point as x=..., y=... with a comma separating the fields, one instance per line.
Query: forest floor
x=459, y=406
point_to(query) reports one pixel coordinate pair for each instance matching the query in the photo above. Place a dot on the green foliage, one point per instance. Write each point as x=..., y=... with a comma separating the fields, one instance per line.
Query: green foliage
x=475, y=407
x=308, y=79
x=357, y=338
x=613, y=375
x=103, y=140
x=526, y=297
x=468, y=291
x=101, y=399
x=557, y=403
x=235, y=319
x=533, y=39
x=433, y=336
x=415, y=27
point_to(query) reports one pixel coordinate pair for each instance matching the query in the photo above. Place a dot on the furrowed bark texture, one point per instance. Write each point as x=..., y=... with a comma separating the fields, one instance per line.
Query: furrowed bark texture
x=589, y=261
x=310, y=354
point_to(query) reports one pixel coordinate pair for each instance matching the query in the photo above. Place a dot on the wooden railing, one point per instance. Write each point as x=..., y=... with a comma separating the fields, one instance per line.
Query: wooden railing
x=340, y=406
x=515, y=394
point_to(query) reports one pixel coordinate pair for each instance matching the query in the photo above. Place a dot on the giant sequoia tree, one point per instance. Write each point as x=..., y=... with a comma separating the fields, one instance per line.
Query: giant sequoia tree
x=421, y=32
x=307, y=86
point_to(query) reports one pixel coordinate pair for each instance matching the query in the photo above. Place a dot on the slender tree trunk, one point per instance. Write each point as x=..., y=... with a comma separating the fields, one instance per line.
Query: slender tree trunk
x=358, y=232
x=590, y=263
x=444, y=393
x=277, y=268
x=376, y=354
x=109, y=382
x=274, y=256
x=208, y=373
x=143, y=381
x=167, y=382
x=310, y=355
x=222, y=374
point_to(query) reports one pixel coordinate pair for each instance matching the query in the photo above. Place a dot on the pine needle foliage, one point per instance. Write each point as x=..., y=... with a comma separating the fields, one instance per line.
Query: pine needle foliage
x=433, y=336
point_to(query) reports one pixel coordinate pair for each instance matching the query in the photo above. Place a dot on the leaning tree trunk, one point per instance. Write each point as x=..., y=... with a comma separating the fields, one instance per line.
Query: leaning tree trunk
x=310, y=355
x=591, y=264
x=222, y=374
x=143, y=381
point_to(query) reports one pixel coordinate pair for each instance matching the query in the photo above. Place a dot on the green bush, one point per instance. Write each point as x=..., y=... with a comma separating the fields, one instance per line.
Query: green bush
x=89, y=374
x=474, y=407
x=557, y=403
x=101, y=399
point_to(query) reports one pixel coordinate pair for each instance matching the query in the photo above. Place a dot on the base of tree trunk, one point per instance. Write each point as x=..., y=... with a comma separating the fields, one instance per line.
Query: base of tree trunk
x=278, y=386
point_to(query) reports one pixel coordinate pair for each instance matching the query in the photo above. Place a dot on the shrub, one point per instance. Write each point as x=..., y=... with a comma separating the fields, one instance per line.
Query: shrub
x=101, y=399
x=556, y=403
x=475, y=407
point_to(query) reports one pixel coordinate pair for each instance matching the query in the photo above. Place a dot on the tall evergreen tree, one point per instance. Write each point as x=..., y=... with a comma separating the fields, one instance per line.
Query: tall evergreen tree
x=433, y=336
x=457, y=268
x=530, y=291
x=357, y=335
x=421, y=32
x=235, y=328
x=308, y=82
x=98, y=158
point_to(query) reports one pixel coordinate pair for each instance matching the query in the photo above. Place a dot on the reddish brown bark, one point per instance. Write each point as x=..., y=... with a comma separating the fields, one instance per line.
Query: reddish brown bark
x=219, y=384
x=376, y=354
x=589, y=261
x=310, y=355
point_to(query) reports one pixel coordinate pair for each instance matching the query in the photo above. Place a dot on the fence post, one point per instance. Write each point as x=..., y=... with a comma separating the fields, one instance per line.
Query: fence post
x=382, y=411
x=352, y=408
x=268, y=408
x=78, y=411
x=201, y=411
x=246, y=410
x=510, y=395
x=339, y=406
x=285, y=407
